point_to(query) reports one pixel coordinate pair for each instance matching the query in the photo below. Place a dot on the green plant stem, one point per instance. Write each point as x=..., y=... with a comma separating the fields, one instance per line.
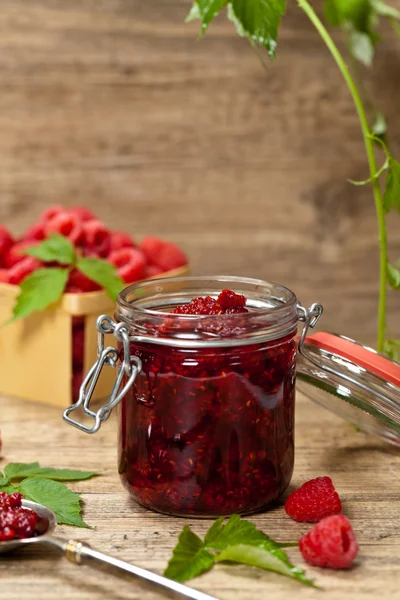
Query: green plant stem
x=311, y=14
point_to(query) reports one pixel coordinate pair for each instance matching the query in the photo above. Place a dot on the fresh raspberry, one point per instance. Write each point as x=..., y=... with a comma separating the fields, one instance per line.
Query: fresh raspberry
x=66, y=224
x=83, y=214
x=119, y=240
x=313, y=501
x=96, y=238
x=52, y=212
x=6, y=242
x=36, y=232
x=4, y=276
x=330, y=543
x=130, y=263
x=153, y=271
x=78, y=342
x=16, y=253
x=78, y=283
x=163, y=254
x=22, y=269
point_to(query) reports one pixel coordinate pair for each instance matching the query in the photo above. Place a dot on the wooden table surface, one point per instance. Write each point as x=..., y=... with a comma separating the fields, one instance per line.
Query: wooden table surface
x=365, y=471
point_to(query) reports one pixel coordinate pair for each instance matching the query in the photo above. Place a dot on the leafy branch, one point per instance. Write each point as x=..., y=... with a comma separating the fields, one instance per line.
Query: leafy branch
x=259, y=21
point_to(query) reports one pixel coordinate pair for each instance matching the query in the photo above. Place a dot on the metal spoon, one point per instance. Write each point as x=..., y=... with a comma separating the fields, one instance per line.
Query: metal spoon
x=79, y=554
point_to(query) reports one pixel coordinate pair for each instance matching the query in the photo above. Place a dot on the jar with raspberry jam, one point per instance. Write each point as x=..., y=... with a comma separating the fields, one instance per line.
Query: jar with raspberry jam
x=205, y=392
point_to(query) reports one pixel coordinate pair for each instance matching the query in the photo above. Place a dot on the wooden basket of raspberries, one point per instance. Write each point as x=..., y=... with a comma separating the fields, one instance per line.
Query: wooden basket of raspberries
x=54, y=282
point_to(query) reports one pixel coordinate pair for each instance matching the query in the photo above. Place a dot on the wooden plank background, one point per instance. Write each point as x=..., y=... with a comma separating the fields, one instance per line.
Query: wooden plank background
x=113, y=104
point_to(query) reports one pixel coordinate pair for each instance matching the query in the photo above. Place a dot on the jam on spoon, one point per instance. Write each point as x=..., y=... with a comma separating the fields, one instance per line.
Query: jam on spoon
x=17, y=522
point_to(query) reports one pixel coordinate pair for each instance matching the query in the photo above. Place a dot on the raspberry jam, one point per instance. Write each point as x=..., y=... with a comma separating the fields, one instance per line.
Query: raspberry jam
x=207, y=428
x=16, y=522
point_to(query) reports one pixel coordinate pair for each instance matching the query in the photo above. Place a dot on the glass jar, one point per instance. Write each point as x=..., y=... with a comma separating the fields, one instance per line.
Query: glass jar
x=206, y=411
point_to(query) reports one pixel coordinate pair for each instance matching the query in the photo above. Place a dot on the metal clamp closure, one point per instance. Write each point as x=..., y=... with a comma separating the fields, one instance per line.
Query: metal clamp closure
x=130, y=367
x=310, y=317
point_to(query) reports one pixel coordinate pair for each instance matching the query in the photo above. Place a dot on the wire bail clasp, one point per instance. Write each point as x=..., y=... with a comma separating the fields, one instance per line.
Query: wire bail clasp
x=310, y=317
x=130, y=367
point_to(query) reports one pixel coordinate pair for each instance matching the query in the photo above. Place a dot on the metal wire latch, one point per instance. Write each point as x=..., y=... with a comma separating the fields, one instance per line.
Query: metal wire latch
x=130, y=367
x=310, y=317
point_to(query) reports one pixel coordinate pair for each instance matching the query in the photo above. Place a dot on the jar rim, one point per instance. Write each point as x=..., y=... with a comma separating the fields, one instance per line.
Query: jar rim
x=225, y=279
x=273, y=311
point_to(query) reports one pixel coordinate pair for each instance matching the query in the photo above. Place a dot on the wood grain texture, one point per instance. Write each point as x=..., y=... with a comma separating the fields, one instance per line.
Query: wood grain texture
x=365, y=472
x=114, y=104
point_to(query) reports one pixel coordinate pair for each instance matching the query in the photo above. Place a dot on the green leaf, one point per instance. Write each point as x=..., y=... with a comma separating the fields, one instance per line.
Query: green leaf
x=56, y=496
x=391, y=196
x=208, y=10
x=194, y=14
x=103, y=273
x=260, y=19
x=15, y=471
x=190, y=558
x=263, y=557
x=232, y=17
x=393, y=275
x=357, y=13
x=379, y=127
x=392, y=349
x=3, y=480
x=39, y=290
x=55, y=249
x=381, y=8
x=9, y=489
x=362, y=47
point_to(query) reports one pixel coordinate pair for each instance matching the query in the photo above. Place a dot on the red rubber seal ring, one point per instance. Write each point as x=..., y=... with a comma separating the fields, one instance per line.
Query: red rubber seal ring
x=377, y=364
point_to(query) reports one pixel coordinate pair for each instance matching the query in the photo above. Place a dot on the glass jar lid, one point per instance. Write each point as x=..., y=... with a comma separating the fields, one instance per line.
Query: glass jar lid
x=353, y=381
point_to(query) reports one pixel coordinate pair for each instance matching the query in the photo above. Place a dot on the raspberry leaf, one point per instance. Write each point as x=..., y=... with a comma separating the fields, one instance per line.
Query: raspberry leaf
x=39, y=290
x=103, y=273
x=393, y=277
x=260, y=19
x=62, y=501
x=206, y=10
x=55, y=249
x=17, y=471
x=190, y=557
x=238, y=541
x=263, y=557
x=391, y=196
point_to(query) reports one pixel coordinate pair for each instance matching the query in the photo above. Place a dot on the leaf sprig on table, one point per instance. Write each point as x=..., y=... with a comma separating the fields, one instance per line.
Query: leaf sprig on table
x=46, y=286
x=236, y=541
x=43, y=485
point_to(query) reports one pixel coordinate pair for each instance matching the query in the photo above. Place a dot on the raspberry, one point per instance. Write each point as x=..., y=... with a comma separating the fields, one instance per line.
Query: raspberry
x=119, y=240
x=16, y=253
x=153, y=271
x=78, y=341
x=6, y=242
x=331, y=543
x=66, y=224
x=4, y=276
x=163, y=254
x=83, y=214
x=78, y=283
x=15, y=521
x=96, y=238
x=22, y=269
x=130, y=263
x=36, y=232
x=52, y=212
x=313, y=501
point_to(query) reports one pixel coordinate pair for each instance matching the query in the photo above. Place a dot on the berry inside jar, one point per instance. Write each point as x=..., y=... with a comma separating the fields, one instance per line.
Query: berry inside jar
x=207, y=428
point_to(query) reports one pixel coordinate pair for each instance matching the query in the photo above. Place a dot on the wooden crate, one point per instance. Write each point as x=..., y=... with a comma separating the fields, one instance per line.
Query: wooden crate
x=36, y=352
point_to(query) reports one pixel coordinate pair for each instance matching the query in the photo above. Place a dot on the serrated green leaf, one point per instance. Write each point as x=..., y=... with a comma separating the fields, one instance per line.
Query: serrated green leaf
x=264, y=558
x=3, y=480
x=16, y=471
x=55, y=249
x=56, y=496
x=8, y=489
x=194, y=14
x=233, y=18
x=391, y=196
x=393, y=275
x=102, y=272
x=260, y=19
x=190, y=558
x=362, y=47
x=208, y=10
x=356, y=13
x=39, y=290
